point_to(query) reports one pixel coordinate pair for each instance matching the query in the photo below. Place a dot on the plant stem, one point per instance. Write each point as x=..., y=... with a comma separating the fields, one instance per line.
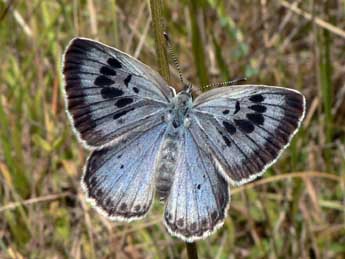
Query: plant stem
x=192, y=250
x=156, y=10
x=197, y=45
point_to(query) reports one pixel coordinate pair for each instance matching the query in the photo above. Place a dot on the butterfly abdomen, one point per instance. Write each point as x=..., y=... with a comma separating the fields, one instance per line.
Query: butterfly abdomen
x=166, y=165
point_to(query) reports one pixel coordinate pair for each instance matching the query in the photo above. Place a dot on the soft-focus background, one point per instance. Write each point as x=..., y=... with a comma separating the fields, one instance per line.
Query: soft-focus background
x=295, y=211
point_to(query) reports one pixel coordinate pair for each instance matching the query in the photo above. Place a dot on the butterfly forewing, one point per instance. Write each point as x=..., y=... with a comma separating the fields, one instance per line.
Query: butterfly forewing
x=199, y=195
x=109, y=93
x=247, y=127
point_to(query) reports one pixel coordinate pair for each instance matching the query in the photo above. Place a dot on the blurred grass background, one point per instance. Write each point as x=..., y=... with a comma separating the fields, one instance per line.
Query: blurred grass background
x=297, y=210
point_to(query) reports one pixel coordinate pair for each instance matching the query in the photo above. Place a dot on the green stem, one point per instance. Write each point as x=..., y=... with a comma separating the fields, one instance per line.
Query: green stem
x=192, y=250
x=198, y=47
x=156, y=11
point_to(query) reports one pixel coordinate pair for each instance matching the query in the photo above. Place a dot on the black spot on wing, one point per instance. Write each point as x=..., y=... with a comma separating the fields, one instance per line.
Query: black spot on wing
x=257, y=98
x=124, y=102
x=103, y=81
x=256, y=118
x=214, y=215
x=244, y=125
x=123, y=206
x=114, y=63
x=229, y=127
x=136, y=90
x=111, y=92
x=225, y=112
x=225, y=138
x=258, y=108
x=107, y=71
x=237, y=107
x=180, y=222
x=127, y=80
x=227, y=141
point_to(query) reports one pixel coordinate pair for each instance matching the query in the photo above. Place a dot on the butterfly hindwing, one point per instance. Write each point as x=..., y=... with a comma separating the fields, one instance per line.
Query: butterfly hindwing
x=199, y=195
x=109, y=93
x=247, y=127
x=119, y=180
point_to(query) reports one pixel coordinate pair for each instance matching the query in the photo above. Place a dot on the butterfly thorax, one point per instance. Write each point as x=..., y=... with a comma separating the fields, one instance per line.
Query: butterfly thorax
x=180, y=106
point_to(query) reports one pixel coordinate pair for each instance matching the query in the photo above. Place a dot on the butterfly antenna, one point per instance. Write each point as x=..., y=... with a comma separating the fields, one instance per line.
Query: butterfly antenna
x=227, y=83
x=173, y=56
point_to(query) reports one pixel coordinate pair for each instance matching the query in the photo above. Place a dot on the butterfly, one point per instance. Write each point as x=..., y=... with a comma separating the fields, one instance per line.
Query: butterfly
x=146, y=140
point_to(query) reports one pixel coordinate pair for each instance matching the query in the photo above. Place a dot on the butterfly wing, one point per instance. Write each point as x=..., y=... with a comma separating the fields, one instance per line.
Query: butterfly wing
x=119, y=180
x=109, y=93
x=246, y=127
x=199, y=195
